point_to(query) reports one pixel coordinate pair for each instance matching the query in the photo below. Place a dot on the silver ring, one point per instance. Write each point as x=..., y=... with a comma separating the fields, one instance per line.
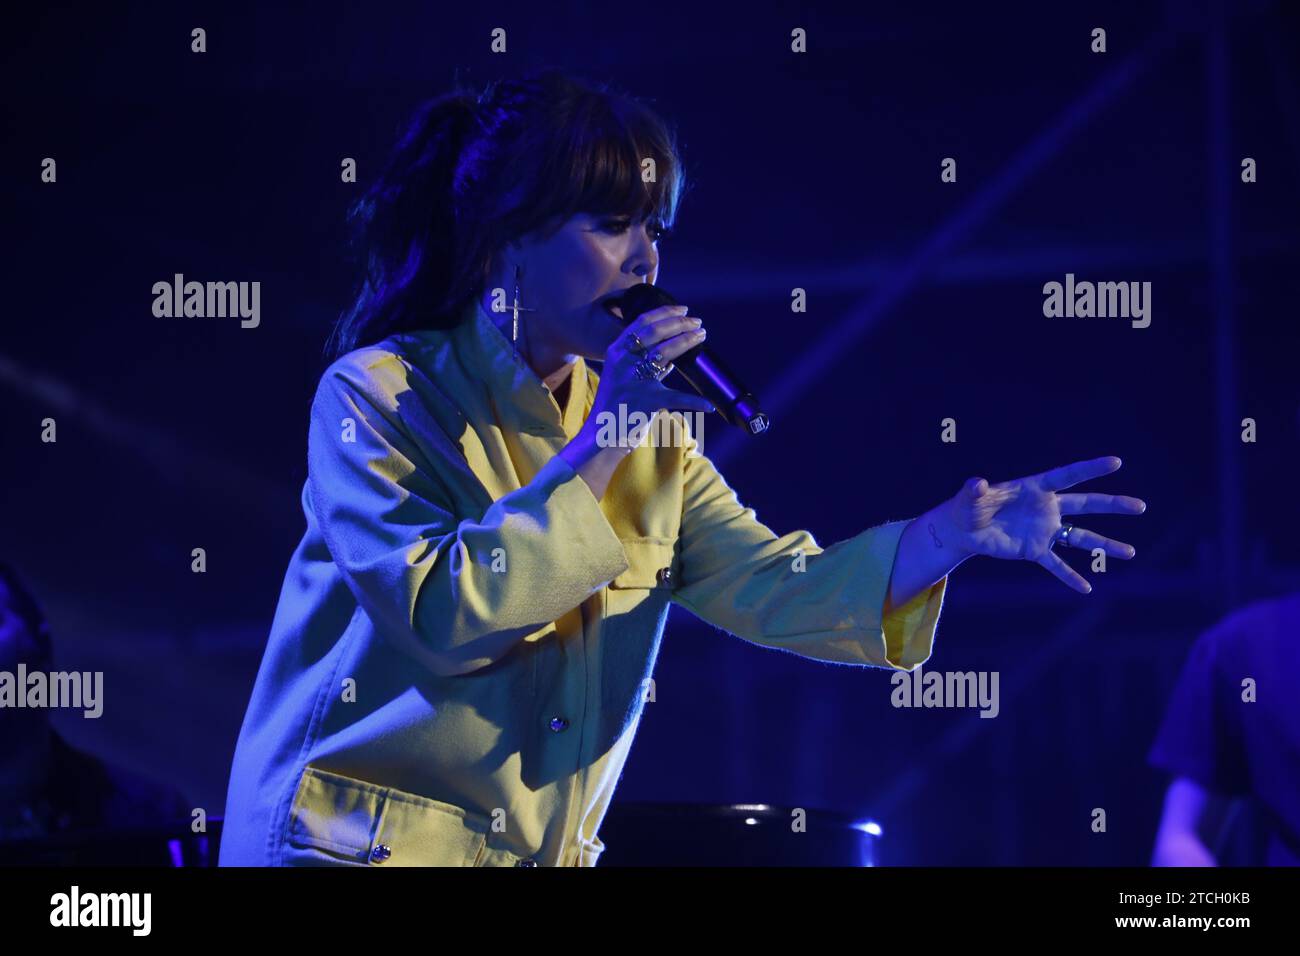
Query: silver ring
x=1062, y=535
x=637, y=344
x=649, y=368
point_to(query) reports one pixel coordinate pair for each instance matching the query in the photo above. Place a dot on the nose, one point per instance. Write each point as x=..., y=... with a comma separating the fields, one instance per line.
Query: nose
x=643, y=261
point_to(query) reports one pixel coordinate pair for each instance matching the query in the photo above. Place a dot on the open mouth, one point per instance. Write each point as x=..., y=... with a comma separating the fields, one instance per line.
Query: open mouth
x=610, y=304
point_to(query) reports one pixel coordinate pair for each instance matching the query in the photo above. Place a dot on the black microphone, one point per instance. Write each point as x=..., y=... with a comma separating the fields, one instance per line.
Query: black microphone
x=703, y=370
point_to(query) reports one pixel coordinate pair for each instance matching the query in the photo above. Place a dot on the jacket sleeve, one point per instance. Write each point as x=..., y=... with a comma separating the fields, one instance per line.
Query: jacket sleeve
x=458, y=594
x=736, y=574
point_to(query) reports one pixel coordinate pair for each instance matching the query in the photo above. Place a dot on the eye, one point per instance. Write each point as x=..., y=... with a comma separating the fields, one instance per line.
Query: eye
x=619, y=226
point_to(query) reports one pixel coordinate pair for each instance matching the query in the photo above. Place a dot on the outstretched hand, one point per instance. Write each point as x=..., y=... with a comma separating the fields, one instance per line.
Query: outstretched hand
x=1019, y=519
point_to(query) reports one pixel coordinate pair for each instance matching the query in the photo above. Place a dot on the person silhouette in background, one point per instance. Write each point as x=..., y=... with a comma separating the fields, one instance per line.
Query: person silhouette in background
x=46, y=786
x=1231, y=741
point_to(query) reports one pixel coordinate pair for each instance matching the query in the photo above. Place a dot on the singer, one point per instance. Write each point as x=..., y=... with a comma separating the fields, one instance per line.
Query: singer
x=457, y=663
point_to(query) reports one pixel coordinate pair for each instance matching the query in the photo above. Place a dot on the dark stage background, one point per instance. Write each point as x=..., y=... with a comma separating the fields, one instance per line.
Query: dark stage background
x=818, y=171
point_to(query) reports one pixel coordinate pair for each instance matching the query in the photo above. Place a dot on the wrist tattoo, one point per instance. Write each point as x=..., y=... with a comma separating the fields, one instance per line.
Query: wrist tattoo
x=934, y=534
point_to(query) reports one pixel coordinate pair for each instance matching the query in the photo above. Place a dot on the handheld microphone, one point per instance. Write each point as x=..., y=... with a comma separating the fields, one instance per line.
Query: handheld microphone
x=702, y=369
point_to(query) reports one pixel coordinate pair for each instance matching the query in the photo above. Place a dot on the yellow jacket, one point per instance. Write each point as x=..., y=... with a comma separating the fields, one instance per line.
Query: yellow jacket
x=459, y=658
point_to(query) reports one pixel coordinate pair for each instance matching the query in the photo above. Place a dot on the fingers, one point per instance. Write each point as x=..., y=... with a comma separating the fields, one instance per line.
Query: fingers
x=1068, y=475
x=1054, y=563
x=661, y=324
x=643, y=328
x=1097, y=504
x=1088, y=540
x=680, y=344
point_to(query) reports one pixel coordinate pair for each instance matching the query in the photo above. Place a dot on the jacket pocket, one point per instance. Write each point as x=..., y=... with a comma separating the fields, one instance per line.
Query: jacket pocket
x=362, y=822
x=651, y=563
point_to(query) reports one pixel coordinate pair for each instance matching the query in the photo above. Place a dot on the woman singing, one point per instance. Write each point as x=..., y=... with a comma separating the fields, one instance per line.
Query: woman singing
x=460, y=654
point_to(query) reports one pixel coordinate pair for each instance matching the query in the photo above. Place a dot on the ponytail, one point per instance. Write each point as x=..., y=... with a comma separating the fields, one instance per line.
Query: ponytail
x=402, y=231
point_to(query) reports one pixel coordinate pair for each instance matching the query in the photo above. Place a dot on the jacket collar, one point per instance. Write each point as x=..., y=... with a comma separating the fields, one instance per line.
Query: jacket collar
x=520, y=399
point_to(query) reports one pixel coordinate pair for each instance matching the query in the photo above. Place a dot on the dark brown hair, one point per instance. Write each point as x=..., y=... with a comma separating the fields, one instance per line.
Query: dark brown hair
x=474, y=172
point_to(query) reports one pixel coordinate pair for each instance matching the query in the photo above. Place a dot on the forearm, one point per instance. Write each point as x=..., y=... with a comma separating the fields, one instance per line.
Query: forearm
x=929, y=549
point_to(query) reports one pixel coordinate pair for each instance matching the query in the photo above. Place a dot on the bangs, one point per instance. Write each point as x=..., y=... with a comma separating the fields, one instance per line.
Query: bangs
x=601, y=169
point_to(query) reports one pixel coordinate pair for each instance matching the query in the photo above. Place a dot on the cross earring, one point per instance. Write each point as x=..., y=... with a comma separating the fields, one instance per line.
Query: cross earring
x=516, y=308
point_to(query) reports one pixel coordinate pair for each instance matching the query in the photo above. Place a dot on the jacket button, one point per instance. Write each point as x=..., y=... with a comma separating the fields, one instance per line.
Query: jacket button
x=559, y=723
x=666, y=575
x=528, y=862
x=380, y=853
